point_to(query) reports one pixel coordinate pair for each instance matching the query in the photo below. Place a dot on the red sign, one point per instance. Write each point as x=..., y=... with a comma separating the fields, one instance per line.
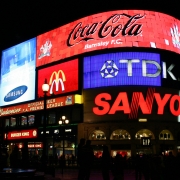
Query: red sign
x=24, y=134
x=123, y=28
x=38, y=105
x=121, y=103
x=32, y=145
x=62, y=78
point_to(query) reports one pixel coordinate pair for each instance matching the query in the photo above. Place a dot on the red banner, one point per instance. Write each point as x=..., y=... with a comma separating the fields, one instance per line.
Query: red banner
x=62, y=78
x=23, y=134
x=123, y=28
x=38, y=105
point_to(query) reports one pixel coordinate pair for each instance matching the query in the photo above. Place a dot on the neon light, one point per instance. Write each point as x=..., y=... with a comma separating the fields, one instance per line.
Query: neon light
x=121, y=103
x=125, y=68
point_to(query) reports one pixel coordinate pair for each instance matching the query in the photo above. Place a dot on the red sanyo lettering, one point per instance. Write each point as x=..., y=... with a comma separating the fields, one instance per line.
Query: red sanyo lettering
x=121, y=103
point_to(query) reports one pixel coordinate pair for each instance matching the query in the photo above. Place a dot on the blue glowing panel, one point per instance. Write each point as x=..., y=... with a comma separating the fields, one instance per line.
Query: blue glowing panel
x=18, y=65
x=125, y=68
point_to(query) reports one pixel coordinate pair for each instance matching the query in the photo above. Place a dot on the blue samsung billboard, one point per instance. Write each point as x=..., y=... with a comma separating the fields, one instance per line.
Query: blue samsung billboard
x=18, y=65
x=124, y=68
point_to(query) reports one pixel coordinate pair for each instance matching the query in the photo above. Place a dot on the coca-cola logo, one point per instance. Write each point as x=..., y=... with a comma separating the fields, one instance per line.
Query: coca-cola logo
x=113, y=26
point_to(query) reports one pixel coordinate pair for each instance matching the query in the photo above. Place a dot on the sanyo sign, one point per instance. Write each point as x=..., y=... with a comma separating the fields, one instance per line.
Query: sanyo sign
x=126, y=68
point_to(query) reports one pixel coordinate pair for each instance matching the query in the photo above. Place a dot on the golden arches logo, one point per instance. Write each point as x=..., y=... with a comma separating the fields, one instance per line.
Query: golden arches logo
x=58, y=80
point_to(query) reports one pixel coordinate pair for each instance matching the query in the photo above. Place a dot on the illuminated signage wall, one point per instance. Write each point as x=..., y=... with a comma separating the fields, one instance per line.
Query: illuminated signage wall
x=122, y=28
x=24, y=134
x=131, y=103
x=18, y=73
x=62, y=78
x=125, y=68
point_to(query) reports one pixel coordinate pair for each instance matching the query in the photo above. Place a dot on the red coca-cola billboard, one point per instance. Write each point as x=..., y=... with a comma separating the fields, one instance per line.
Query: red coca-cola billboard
x=122, y=28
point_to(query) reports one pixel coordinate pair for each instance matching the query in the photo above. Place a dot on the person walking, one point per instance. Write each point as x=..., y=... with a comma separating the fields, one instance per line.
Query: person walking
x=105, y=163
x=119, y=165
x=79, y=158
x=87, y=160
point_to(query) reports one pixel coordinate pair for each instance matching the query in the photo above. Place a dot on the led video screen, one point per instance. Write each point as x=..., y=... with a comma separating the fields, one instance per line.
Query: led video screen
x=18, y=65
x=124, y=68
x=113, y=29
x=62, y=78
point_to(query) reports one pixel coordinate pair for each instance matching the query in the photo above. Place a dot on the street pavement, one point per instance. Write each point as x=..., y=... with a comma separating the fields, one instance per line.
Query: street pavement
x=72, y=174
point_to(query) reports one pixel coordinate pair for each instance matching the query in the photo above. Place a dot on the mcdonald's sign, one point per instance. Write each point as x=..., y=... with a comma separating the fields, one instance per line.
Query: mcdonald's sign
x=62, y=78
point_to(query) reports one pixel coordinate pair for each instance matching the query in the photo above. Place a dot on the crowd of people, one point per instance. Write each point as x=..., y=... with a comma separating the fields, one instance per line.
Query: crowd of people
x=143, y=166
x=147, y=166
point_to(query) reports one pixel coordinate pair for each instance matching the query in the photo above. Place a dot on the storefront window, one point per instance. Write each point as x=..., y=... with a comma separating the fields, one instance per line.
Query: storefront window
x=31, y=119
x=23, y=120
x=6, y=122
x=52, y=118
x=166, y=135
x=144, y=133
x=120, y=134
x=13, y=122
x=97, y=135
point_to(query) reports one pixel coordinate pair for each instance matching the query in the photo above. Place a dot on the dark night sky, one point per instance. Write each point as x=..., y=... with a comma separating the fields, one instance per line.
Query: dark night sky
x=21, y=20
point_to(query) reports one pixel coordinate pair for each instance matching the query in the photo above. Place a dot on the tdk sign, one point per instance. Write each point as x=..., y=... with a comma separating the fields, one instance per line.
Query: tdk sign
x=15, y=93
x=126, y=68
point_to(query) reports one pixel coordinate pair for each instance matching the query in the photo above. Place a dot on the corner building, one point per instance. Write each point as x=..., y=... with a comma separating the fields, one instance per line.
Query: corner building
x=113, y=75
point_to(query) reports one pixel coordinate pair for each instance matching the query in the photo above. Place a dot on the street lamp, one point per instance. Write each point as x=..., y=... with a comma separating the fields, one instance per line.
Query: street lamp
x=63, y=121
x=45, y=88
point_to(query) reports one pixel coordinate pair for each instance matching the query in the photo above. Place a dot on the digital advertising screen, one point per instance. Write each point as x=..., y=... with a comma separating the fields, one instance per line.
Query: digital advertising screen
x=113, y=29
x=62, y=78
x=18, y=65
x=155, y=104
x=123, y=68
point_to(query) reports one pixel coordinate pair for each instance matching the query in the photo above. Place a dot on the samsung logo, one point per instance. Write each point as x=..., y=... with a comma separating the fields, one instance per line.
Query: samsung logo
x=15, y=93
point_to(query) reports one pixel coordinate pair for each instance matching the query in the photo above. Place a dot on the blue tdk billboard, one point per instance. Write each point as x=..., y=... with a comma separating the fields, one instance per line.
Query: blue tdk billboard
x=120, y=69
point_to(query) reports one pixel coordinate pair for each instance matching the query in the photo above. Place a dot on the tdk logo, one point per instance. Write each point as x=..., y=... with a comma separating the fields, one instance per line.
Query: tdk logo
x=149, y=68
x=15, y=93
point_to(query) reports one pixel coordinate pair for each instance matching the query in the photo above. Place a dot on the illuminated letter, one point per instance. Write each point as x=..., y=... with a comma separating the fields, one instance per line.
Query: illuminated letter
x=144, y=105
x=169, y=71
x=172, y=102
x=122, y=97
x=144, y=68
x=104, y=105
x=161, y=102
x=129, y=65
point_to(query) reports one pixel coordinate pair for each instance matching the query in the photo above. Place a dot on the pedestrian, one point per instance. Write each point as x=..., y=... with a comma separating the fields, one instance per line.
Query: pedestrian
x=87, y=160
x=105, y=163
x=118, y=169
x=25, y=157
x=79, y=158
x=14, y=157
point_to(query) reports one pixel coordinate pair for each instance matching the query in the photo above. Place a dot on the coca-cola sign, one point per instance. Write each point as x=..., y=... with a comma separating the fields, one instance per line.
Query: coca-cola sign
x=114, y=29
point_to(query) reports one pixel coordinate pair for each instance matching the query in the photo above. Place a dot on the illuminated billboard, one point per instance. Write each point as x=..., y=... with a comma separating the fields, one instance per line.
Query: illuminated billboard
x=113, y=29
x=18, y=65
x=62, y=78
x=131, y=103
x=124, y=68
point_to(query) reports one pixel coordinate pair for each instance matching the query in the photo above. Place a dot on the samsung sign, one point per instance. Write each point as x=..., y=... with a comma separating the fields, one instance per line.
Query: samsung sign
x=126, y=68
x=18, y=73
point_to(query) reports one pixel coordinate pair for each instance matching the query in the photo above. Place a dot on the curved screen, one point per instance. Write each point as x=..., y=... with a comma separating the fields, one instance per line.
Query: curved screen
x=123, y=28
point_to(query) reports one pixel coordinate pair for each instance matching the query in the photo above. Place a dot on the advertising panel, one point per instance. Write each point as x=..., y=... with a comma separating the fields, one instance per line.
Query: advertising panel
x=124, y=68
x=113, y=29
x=23, y=134
x=18, y=65
x=38, y=105
x=62, y=78
x=131, y=103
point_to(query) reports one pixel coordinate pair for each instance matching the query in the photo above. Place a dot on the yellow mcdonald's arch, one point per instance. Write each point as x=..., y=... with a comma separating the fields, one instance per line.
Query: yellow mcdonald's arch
x=56, y=74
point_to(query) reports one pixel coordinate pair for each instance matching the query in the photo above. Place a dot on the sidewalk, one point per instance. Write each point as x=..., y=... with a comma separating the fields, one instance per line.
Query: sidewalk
x=72, y=174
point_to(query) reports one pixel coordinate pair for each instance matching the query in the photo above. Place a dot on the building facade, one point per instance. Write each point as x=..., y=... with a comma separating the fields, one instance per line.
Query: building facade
x=113, y=75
